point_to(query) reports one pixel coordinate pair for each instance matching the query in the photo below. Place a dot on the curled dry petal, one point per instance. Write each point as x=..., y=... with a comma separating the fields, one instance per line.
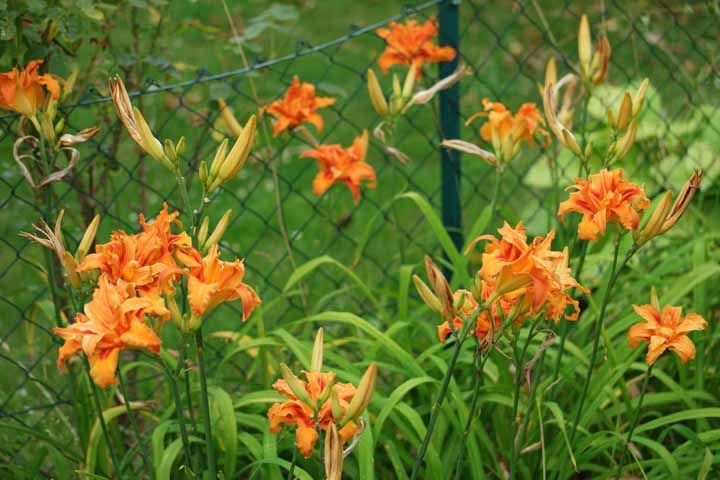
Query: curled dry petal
x=472, y=149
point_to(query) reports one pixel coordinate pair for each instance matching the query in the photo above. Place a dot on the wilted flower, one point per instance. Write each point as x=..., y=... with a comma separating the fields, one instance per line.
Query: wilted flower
x=664, y=217
x=112, y=321
x=53, y=239
x=411, y=44
x=299, y=105
x=135, y=123
x=665, y=329
x=604, y=198
x=25, y=91
x=345, y=165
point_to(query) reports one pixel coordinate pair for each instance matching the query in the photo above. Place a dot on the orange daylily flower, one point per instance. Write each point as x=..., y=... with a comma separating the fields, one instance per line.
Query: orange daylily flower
x=295, y=412
x=299, y=105
x=665, y=329
x=506, y=131
x=526, y=277
x=212, y=281
x=346, y=165
x=146, y=259
x=24, y=91
x=411, y=44
x=603, y=198
x=112, y=321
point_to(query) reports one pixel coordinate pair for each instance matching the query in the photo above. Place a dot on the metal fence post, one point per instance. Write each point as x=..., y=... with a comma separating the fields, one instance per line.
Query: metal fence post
x=449, y=26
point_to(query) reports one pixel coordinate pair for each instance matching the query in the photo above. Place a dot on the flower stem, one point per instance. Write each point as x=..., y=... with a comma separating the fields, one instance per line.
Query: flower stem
x=291, y=470
x=178, y=406
x=519, y=359
x=133, y=423
x=435, y=413
x=103, y=425
x=474, y=404
x=205, y=406
x=614, y=274
x=648, y=374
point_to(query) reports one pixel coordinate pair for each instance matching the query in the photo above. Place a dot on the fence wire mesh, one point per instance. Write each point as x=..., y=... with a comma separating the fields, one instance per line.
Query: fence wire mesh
x=673, y=43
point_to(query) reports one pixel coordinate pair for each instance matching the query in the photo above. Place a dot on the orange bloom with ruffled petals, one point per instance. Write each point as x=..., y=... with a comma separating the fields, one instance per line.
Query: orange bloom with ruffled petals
x=665, y=329
x=299, y=105
x=212, y=281
x=24, y=91
x=507, y=130
x=412, y=44
x=603, y=198
x=345, y=165
x=112, y=321
x=526, y=277
x=295, y=412
x=146, y=259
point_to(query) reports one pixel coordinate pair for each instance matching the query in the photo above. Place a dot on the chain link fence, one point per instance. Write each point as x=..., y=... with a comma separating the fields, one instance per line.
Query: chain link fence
x=506, y=45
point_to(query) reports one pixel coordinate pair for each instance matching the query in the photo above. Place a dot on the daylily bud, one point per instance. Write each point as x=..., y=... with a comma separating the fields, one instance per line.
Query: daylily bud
x=60, y=126
x=654, y=298
x=135, y=123
x=640, y=97
x=550, y=72
x=175, y=314
x=333, y=455
x=397, y=91
x=203, y=231
x=440, y=285
x=87, y=239
x=335, y=407
x=229, y=119
x=169, y=149
x=364, y=392
x=317, y=352
x=180, y=147
x=626, y=141
x=228, y=166
x=149, y=143
x=588, y=150
x=584, y=44
x=219, y=231
x=656, y=220
x=625, y=112
x=296, y=386
x=203, y=172
x=569, y=140
x=426, y=294
x=611, y=118
x=377, y=98
x=46, y=127
x=683, y=200
x=409, y=83
x=68, y=263
x=603, y=60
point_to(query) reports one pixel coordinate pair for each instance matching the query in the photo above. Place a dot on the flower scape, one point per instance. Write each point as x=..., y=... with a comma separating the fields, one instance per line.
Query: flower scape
x=523, y=350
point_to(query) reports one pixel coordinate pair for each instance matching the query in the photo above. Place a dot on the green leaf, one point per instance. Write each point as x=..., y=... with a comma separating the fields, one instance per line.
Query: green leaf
x=692, y=414
x=225, y=427
x=306, y=268
x=395, y=398
x=96, y=434
x=366, y=453
x=560, y=420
